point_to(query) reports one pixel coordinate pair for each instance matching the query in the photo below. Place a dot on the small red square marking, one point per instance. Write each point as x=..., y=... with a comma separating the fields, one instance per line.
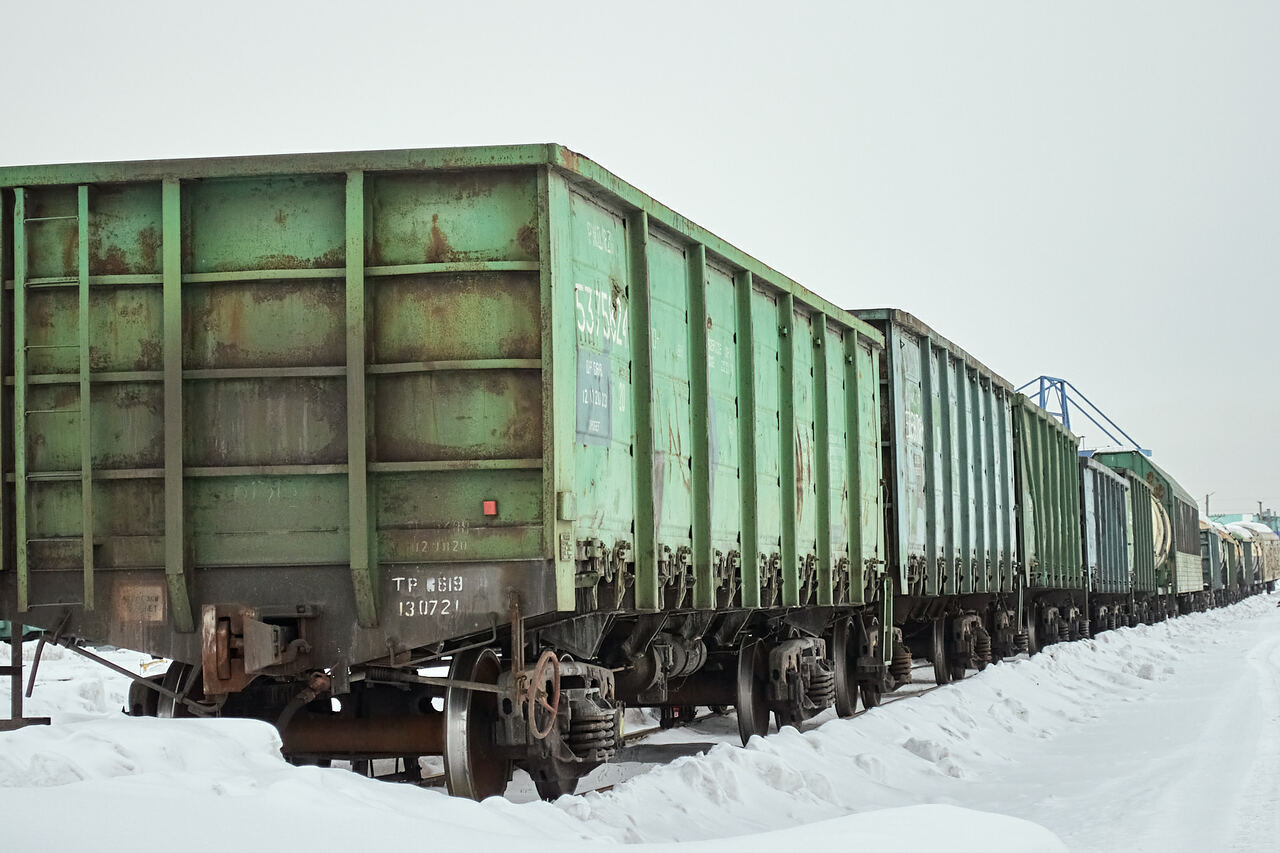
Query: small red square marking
x=490, y=507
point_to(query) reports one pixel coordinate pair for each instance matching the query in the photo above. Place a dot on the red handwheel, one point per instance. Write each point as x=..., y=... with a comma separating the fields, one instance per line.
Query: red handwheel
x=537, y=696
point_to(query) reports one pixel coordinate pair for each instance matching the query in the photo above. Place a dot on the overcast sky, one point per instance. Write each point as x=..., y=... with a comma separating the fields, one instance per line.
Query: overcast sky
x=1085, y=189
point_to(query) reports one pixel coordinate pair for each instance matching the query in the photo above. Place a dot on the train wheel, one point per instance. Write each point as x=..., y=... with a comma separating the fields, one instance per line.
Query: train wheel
x=143, y=701
x=185, y=680
x=753, y=691
x=938, y=651
x=473, y=766
x=845, y=656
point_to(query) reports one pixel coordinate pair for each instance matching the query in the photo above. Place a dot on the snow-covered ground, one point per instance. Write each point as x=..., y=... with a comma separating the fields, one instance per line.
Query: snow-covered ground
x=1160, y=738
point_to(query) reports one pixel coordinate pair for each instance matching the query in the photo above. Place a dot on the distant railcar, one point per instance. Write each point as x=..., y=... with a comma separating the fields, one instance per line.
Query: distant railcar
x=1180, y=576
x=1266, y=553
x=951, y=501
x=1108, y=539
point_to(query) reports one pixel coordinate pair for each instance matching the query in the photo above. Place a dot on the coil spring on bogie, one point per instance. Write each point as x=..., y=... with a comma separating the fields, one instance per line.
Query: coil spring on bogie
x=592, y=735
x=822, y=685
x=900, y=666
x=982, y=646
x=1022, y=642
x=1084, y=629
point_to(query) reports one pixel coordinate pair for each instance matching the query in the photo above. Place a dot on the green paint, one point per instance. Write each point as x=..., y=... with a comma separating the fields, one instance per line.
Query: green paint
x=20, y=396
x=332, y=362
x=723, y=425
x=748, y=419
x=952, y=485
x=786, y=450
x=648, y=593
x=1050, y=475
x=557, y=345
x=822, y=457
x=863, y=545
x=86, y=421
x=802, y=453
x=361, y=526
x=669, y=277
x=175, y=532
x=704, y=590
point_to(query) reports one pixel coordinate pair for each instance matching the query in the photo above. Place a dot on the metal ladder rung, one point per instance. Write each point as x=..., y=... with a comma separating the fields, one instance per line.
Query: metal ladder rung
x=82, y=410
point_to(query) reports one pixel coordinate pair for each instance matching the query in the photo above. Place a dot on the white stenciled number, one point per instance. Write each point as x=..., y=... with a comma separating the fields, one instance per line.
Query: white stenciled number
x=599, y=311
x=429, y=607
x=582, y=312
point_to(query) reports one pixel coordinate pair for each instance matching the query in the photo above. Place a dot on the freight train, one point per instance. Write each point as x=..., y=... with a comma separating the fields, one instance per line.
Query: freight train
x=317, y=426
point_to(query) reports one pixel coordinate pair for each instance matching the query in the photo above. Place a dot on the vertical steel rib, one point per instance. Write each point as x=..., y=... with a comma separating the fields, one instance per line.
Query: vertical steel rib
x=86, y=420
x=363, y=565
x=822, y=457
x=175, y=538
x=704, y=590
x=747, y=475
x=856, y=443
x=787, y=447
x=648, y=592
x=20, y=395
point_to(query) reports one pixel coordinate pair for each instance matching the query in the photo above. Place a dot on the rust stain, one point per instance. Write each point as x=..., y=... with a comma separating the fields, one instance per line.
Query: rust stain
x=151, y=354
x=335, y=257
x=439, y=250
x=281, y=217
x=276, y=262
x=802, y=474
x=186, y=245
x=527, y=239
x=70, y=249
x=149, y=245
x=111, y=262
